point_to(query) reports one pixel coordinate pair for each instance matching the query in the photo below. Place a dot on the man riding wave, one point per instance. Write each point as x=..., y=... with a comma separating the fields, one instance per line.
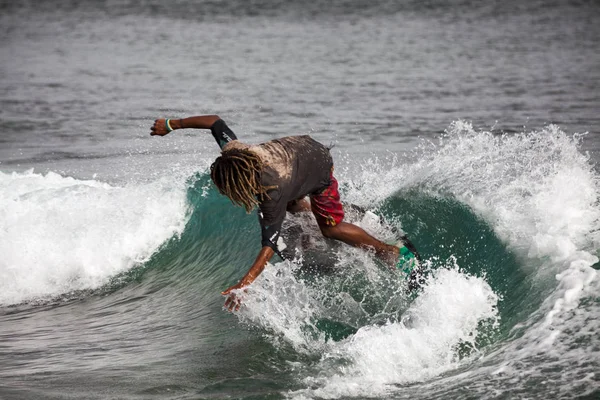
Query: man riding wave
x=276, y=177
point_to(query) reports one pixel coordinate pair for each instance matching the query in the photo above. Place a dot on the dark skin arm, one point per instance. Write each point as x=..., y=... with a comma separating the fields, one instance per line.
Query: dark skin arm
x=200, y=122
x=232, y=302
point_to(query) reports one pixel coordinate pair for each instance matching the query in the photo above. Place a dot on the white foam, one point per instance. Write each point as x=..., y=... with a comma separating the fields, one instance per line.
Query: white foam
x=59, y=234
x=373, y=180
x=424, y=345
x=560, y=348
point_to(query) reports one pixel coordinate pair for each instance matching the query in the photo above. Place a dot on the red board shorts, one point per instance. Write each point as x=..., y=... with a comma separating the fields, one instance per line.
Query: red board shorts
x=327, y=206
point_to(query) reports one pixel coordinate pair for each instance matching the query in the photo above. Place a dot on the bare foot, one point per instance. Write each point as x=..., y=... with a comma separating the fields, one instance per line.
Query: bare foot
x=390, y=255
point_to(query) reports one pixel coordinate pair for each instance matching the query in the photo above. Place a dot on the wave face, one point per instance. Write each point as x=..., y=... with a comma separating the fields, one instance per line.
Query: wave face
x=508, y=226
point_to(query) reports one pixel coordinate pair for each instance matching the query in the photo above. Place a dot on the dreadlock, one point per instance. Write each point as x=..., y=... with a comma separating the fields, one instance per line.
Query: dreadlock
x=237, y=174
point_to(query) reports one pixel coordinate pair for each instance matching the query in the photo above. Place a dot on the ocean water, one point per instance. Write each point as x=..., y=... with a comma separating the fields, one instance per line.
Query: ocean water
x=472, y=126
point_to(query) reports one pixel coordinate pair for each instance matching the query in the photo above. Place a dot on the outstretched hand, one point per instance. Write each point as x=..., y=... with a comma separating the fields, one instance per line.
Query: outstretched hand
x=159, y=128
x=233, y=301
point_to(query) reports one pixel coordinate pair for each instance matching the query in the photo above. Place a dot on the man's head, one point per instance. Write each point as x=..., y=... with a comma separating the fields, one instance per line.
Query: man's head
x=237, y=174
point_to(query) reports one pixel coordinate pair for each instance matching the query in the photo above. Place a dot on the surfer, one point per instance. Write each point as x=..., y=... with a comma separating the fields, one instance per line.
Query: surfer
x=276, y=177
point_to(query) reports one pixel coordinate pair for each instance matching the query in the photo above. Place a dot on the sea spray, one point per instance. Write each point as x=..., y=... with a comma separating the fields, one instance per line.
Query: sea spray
x=536, y=189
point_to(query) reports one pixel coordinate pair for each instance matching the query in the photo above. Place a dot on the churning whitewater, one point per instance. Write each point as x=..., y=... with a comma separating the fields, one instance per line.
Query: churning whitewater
x=508, y=226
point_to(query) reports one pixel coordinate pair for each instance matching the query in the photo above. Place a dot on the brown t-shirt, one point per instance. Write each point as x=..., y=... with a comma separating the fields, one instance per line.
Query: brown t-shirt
x=296, y=165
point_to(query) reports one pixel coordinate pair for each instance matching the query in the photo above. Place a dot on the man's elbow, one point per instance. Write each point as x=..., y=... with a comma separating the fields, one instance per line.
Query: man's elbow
x=214, y=118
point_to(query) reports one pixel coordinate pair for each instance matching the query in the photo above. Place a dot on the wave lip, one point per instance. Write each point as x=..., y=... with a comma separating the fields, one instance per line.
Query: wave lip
x=59, y=234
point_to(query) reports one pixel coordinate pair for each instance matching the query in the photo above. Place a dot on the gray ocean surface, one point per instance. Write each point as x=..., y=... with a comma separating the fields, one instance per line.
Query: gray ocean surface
x=483, y=116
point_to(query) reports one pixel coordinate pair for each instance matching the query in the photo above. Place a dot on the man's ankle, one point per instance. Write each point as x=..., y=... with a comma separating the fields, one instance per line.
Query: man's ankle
x=390, y=255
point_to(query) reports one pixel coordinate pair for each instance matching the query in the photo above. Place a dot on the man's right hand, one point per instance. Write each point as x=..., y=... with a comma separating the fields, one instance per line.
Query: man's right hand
x=159, y=128
x=233, y=301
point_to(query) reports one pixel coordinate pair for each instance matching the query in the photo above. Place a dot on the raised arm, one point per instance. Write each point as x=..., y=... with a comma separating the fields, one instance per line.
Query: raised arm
x=217, y=126
x=161, y=127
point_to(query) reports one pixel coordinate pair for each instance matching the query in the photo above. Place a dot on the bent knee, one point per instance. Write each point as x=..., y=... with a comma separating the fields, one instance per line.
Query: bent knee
x=329, y=231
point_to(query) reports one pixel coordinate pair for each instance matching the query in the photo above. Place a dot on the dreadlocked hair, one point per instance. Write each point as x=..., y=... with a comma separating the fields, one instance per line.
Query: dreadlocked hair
x=237, y=174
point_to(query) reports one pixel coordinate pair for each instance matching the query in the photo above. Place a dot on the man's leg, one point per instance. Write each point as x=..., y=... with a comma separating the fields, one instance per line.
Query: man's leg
x=358, y=237
x=329, y=212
